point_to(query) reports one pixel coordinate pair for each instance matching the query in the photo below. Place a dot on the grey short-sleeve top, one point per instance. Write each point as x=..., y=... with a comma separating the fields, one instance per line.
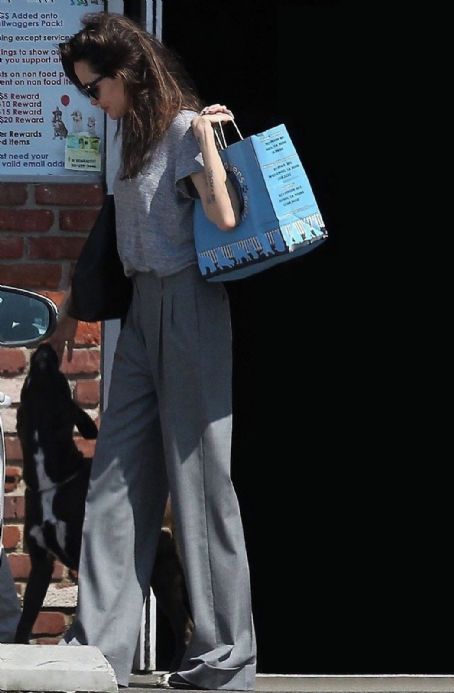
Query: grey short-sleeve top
x=154, y=210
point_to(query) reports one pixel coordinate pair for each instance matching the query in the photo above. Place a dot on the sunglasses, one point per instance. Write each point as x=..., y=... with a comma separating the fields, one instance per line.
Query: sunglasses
x=91, y=90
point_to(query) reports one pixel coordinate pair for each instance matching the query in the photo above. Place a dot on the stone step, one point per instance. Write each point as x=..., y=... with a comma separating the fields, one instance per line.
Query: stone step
x=55, y=668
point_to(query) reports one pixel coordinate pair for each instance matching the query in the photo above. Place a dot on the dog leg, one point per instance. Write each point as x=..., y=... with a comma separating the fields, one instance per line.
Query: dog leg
x=37, y=585
x=85, y=424
x=168, y=585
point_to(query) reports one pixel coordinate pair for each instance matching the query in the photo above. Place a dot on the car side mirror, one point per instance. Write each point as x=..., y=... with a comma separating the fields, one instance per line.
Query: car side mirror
x=26, y=317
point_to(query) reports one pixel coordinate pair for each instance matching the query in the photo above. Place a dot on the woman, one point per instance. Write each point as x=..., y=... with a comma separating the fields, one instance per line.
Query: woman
x=168, y=423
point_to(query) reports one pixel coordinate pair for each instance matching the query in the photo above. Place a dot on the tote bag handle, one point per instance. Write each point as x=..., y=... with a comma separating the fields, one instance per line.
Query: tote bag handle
x=220, y=137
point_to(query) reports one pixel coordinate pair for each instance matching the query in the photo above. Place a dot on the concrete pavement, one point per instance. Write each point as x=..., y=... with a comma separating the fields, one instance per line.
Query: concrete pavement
x=275, y=683
x=41, y=668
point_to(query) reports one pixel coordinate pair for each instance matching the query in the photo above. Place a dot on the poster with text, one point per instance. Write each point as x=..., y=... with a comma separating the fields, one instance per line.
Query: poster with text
x=41, y=112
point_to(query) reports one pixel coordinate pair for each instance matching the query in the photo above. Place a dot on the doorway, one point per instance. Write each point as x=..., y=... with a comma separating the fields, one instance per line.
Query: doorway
x=333, y=533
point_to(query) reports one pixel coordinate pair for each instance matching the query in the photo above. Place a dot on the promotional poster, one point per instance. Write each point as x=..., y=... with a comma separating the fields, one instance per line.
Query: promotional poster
x=46, y=126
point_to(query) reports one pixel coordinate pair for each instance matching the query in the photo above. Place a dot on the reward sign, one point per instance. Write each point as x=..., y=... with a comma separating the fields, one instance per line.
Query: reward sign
x=39, y=107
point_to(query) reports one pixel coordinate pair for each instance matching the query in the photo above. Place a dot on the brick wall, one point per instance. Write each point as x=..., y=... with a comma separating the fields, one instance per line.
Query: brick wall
x=42, y=230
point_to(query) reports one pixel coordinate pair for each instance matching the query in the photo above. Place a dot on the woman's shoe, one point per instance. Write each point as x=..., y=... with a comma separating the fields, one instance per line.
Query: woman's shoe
x=177, y=681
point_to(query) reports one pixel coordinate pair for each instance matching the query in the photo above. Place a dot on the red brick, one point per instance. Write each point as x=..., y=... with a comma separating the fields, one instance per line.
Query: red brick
x=20, y=565
x=13, y=472
x=12, y=194
x=88, y=334
x=11, y=536
x=49, y=623
x=11, y=248
x=14, y=507
x=83, y=362
x=12, y=361
x=47, y=641
x=31, y=276
x=87, y=447
x=56, y=296
x=69, y=194
x=55, y=248
x=26, y=219
x=58, y=571
x=86, y=393
x=13, y=449
x=13, y=476
x=77, y=219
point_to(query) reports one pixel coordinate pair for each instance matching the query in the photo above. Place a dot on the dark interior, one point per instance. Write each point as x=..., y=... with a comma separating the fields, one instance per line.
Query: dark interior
x=345, y=564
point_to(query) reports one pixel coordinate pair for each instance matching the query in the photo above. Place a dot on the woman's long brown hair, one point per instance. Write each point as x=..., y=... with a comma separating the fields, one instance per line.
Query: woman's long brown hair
x=155, y=82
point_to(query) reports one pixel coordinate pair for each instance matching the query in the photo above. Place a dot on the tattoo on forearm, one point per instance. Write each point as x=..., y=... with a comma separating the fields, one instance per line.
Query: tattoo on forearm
x=210, y=182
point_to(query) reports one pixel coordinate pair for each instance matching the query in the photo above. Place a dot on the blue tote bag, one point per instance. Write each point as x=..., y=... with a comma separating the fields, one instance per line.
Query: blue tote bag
x=280, y=218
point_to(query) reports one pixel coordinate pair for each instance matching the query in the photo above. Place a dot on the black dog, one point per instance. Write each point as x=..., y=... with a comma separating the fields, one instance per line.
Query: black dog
x=56, y=475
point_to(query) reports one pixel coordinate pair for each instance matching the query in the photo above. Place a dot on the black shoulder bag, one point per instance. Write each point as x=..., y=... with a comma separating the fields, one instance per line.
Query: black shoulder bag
x=99, y=288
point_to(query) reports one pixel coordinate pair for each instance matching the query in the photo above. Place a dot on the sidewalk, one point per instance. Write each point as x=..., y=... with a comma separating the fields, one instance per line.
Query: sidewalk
x=275, y=683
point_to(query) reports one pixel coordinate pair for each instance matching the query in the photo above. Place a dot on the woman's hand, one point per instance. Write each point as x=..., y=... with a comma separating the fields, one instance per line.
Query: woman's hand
x=211, y=115
x=64, y=336
x=216, y=108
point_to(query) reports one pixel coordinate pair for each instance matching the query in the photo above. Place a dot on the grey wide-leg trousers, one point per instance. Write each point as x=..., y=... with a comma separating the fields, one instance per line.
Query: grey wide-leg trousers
x=10, y=610
x=168, y=427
